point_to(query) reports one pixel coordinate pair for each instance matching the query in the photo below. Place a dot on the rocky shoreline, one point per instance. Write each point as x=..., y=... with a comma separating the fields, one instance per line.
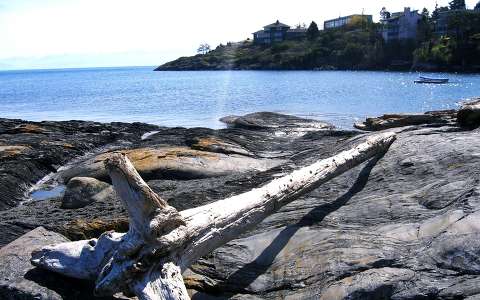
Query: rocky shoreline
x=401, y=226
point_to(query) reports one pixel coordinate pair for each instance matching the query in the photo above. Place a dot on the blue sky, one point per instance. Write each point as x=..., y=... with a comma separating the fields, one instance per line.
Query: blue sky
x=88, y=33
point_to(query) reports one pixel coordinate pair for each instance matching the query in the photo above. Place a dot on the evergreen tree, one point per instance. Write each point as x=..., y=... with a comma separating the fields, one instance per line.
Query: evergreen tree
x=385, y=14
x=312, y=31
x=457, y=4
x=437, y=10
x=425, y=13
x=477, y=7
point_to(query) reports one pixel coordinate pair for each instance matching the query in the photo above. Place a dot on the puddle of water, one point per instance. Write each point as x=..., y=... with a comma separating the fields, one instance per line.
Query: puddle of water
x=48, y=193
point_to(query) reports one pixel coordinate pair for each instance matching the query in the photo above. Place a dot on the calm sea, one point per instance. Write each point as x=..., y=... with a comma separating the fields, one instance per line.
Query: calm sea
x=201, y=98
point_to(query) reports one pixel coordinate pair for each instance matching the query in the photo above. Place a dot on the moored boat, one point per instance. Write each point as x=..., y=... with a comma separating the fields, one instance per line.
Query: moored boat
x=423, y=79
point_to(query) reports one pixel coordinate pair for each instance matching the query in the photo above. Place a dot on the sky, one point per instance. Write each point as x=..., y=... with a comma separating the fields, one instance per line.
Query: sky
x=101, y=33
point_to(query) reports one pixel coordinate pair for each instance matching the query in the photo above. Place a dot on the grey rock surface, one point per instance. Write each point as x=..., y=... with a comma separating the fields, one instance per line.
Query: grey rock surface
x=439, y=118
x=268, y=120
x=20, y=280
x=368, y=234
x=401, y=226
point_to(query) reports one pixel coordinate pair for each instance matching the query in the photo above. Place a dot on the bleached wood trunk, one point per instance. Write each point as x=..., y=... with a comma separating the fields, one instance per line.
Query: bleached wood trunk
x=161, y=242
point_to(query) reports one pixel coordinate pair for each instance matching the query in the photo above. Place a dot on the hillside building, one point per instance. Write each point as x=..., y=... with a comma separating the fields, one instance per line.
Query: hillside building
x=278, y=32
x=401, y=25
x=348, y=20
x=441, y=23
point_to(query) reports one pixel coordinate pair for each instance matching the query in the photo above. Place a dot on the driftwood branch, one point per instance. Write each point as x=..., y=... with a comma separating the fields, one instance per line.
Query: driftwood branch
x=161, y=242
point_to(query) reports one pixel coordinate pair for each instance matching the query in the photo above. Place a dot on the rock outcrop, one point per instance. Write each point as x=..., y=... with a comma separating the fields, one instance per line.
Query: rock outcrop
x=401, y=226
x=31, y=150
x=439, y=118
x=469, y=114
x=283, y=124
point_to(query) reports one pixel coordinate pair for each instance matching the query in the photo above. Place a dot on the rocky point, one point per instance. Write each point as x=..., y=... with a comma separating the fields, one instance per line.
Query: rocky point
x=401, y=226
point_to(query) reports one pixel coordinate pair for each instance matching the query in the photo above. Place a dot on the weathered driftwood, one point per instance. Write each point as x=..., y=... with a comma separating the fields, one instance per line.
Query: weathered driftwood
x=161, y=243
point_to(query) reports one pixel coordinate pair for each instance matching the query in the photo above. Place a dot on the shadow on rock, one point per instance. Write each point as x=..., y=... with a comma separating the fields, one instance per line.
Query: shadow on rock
x=63, y=286
x=246, y=275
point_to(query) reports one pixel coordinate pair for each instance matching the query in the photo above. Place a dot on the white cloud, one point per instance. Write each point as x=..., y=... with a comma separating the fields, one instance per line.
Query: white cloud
x=81, y=29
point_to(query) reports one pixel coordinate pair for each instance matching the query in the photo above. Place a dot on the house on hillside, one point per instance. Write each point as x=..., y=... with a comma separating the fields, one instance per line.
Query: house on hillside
x=443, y=20
x=401, y=25
x=348, y=20
x=278, y=32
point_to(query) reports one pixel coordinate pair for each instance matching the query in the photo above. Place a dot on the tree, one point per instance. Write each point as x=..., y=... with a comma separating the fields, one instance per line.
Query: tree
x=457, y=4
x=425, y=13
x=301, y=26
x=385, y=14
x=312, y=31
x=424, y=31
x=438, y=10
x=203, y=49
x=477, y=7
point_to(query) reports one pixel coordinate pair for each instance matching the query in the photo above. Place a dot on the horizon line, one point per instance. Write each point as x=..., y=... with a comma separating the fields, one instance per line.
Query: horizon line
x=76, y=68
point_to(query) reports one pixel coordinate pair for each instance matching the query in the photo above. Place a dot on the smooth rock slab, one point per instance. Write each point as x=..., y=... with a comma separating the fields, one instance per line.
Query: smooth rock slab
x=173, y=163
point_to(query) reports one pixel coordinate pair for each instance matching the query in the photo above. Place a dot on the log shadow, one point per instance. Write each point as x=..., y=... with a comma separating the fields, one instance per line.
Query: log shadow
x=239, y=281
x=67, y=288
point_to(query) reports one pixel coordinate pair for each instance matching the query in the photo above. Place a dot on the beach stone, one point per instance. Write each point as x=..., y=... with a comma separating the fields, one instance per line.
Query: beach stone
x=173, y=163
x=82, y=191
x=469, y=114
x=400, y=120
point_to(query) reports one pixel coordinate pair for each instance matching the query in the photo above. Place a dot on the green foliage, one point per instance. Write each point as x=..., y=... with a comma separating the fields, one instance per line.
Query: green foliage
x=442, y=51
x=280, y=47
x=312, y=31
x=357, y=46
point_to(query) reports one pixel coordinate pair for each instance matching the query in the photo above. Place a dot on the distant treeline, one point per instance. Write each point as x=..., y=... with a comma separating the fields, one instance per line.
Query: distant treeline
x=358, y=46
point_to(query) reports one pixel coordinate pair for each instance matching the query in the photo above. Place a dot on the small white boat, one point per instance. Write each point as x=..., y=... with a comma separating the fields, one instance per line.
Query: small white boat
x=431, y=80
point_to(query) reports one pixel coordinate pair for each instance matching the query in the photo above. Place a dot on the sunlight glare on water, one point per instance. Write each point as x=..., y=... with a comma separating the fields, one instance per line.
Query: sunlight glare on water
x=199, y=98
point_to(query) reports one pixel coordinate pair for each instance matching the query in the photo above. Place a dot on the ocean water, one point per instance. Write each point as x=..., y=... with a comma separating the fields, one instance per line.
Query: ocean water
x=200, y=98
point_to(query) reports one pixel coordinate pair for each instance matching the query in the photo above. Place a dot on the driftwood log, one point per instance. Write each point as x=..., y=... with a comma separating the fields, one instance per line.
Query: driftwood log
x=161, y=243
